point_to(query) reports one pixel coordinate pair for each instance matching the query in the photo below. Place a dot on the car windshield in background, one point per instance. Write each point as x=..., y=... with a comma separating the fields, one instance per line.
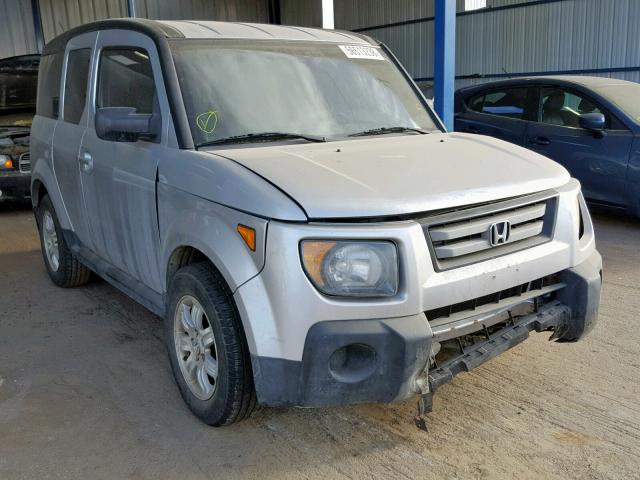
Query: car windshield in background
x=18, y=88
x=626, y=97
x=237, y=88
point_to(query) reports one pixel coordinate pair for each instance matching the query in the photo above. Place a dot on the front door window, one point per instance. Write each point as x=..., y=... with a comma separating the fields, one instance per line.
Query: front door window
x=126, y=80
x=563, y=108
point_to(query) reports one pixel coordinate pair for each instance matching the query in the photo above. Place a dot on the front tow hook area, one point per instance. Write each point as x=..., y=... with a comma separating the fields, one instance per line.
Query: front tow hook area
x=553, y=316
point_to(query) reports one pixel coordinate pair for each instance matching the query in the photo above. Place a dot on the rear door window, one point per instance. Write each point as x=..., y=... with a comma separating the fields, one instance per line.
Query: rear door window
x=509, y=102
x=75, y=88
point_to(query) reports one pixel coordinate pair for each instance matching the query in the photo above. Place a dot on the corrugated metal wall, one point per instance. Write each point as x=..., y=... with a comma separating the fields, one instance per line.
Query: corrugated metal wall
x=305, y=13
x=231, y=10
x=557, y=35
x=16, y=21
x=16, y=28
x=563, y=35
x=354, y=14
x=61, y=15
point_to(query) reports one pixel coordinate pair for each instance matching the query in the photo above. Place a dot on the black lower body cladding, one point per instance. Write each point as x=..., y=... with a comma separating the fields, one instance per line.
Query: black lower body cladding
x=582, y=294
x=14, y=186
x=358, y=361
x=348, y=361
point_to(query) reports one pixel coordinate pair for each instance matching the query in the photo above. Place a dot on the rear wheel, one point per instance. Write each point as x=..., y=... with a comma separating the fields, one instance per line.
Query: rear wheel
x=207, y=347
x=64, y=269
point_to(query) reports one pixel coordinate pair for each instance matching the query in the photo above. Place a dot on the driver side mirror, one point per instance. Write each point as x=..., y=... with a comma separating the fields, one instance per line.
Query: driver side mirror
x=123, y=124
x=594, y=122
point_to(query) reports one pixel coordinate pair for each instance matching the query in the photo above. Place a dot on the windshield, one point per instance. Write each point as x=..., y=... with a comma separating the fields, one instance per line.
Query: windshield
x=626, y=97
x=234, y=88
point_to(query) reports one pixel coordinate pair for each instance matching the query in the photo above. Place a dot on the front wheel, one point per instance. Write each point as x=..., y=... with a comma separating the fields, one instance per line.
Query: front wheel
x=207, y=347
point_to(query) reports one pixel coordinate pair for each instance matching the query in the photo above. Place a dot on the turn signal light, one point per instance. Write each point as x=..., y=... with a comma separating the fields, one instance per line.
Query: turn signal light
x=8, y=163
x=313, y=255
x=248, y=234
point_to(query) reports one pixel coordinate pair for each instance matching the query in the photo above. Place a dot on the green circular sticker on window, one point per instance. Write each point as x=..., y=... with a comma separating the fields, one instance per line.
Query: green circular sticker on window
x=207, y=121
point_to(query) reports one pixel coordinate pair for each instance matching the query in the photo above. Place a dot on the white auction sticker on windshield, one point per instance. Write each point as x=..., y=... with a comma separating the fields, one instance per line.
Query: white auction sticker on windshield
x=361, y=52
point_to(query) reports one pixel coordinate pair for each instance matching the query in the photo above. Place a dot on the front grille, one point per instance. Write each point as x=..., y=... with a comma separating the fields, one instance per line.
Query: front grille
x=483, y=313
x=529, y=290
x=24, y=163
x=472, y=235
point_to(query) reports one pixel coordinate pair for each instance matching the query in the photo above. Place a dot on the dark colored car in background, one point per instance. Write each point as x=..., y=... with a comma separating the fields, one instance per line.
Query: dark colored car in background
x=590, y=125
x=18, y=88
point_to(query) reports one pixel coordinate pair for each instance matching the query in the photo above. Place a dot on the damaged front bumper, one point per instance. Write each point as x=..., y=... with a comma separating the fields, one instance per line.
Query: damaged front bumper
x=570, y=315
x=389, y=360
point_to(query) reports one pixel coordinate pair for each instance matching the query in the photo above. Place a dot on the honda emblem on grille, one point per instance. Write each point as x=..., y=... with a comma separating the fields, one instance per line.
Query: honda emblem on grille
x=499, y=233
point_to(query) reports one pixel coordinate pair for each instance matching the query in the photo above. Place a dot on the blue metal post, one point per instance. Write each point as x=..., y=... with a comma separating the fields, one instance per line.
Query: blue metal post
x=37, y=24
x=131, y=8
x=445, y=60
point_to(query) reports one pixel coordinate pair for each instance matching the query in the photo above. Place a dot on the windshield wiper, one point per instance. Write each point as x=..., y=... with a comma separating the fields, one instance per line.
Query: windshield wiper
x=383, y=130
x=261, y=137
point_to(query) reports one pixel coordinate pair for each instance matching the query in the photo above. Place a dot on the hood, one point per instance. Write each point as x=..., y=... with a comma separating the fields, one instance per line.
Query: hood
x=396, y=175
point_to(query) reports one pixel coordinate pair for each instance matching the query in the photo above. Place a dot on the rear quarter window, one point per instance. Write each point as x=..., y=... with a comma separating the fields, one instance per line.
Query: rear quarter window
x=49, y=85
x=75, y=89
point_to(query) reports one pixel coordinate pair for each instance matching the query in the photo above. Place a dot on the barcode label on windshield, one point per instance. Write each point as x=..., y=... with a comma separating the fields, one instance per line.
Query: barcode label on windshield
x=361, y=52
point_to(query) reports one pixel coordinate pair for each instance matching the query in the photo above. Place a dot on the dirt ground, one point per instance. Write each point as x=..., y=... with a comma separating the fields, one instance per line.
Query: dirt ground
x=86, y=392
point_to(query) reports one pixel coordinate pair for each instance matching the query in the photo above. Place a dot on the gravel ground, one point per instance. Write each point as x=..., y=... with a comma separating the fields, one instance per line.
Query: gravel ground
x=86, y=392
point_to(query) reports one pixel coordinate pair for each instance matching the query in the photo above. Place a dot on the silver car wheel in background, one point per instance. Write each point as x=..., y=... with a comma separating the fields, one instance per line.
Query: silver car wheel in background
x=50, y=238
x=195, y=347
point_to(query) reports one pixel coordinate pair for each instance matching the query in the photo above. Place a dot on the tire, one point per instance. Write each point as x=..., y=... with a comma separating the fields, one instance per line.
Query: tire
x=64, y=269
x=203, y=346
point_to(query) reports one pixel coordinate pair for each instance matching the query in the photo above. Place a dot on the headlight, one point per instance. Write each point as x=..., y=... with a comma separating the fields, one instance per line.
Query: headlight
x=352, y=268
x=6, y=163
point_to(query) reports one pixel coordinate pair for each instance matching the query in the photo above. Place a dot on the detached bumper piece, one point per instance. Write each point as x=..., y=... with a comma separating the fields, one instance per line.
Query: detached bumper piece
x=566, y=304
x=553, y=316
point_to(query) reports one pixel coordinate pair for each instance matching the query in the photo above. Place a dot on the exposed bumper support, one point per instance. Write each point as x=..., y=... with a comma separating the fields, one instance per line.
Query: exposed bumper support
x=553, y=316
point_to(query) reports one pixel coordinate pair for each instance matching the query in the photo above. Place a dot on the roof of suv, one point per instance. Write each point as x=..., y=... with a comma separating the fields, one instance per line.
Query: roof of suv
x=214, y=30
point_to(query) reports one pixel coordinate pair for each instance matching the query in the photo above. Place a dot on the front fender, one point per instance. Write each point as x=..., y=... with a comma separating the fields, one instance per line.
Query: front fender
x=187, y=220
x=228, y=183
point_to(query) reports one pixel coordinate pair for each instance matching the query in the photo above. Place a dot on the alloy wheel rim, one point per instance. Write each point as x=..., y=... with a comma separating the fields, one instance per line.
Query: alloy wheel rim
x=195, y=348
x=50, y=238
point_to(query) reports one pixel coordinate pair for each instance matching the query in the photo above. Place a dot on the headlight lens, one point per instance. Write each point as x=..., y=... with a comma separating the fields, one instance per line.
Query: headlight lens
x=352, y=268
x=6, y=163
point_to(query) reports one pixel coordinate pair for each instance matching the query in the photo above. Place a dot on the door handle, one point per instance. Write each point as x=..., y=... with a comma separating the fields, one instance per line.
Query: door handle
x=540, y=141
x=86, y=162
